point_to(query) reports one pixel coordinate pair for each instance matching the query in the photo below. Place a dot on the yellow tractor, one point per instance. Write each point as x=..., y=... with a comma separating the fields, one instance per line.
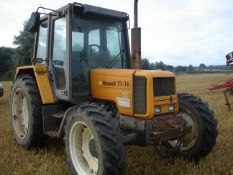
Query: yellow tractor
x=85, y=86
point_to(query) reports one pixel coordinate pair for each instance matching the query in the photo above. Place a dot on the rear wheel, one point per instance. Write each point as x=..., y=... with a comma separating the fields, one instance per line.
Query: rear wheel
x=93, y=142
x=203, y=136
x=25, y=108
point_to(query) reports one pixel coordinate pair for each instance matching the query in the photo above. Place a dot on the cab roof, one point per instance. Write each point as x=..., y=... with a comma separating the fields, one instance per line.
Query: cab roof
x=90, y=10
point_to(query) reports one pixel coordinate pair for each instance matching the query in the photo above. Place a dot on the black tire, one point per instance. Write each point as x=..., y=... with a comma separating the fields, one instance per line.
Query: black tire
x=205, y=122
x=106, y=135
x=33, y=136
x=1, y=90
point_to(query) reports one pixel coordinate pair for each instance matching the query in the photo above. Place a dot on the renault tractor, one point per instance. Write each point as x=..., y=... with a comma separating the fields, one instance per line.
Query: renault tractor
x=85, y=86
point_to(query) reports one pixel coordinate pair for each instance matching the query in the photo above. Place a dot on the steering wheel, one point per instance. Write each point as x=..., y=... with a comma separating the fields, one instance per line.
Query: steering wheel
x=92, y=45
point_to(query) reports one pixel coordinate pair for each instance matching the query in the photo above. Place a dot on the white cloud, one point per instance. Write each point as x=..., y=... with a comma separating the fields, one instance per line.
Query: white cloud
x=174, y=31
x=195, y=32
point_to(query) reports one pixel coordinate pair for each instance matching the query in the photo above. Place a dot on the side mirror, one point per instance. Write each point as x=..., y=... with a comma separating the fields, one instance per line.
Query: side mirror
x=34, y=22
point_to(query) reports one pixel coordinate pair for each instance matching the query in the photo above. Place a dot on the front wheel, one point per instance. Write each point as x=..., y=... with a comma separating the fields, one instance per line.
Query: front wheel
x=203, y=135
x=93, y=142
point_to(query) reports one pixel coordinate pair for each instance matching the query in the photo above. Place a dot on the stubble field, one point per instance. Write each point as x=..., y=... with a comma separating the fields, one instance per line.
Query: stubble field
x=141, y=161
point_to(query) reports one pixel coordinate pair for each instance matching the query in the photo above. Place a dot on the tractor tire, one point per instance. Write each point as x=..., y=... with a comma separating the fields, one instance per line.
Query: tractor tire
x=25, y=110
x=202, y=139
x=94, y=144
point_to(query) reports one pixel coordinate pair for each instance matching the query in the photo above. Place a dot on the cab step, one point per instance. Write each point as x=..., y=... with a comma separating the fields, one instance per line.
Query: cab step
x=59, y=115
x=51, y=133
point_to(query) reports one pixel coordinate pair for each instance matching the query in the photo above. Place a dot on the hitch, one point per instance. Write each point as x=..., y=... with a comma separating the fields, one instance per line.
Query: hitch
x=169, y=127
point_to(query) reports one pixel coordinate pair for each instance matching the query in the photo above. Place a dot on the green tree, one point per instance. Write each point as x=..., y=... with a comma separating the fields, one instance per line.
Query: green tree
x=181, y=69
x=170, y=68
x=23, y=52
x=202, y=66
x=160, y=65
x=6, y=63
x=145, y=64
x=152, y=66
x=190, y=68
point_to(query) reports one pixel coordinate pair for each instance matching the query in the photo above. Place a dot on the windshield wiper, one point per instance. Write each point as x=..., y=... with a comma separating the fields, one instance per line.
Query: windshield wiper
x=114, y=60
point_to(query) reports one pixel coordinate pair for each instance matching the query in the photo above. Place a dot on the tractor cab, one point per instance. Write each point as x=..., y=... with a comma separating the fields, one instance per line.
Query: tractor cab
x=76, y=39
x=86, y=51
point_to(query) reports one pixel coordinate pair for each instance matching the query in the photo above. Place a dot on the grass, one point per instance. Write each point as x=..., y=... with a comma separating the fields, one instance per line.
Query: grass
x=141, y=161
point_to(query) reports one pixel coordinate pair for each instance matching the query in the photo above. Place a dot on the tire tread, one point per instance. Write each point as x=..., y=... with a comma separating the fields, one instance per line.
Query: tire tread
x=209, y=133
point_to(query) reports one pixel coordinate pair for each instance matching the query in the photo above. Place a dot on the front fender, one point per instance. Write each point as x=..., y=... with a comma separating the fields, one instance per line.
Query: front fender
x=41, y=77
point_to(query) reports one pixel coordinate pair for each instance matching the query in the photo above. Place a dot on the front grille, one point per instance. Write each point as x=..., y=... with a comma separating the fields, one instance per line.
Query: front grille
x=139, y=95
x=164, y=86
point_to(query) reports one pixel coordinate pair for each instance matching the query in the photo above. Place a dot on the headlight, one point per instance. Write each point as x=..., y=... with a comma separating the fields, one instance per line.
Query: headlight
x=171, y=108
x=157, y=109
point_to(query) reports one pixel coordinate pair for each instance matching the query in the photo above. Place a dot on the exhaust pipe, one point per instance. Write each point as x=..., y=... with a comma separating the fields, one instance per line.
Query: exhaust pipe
x=136, y=40
x=135, y=13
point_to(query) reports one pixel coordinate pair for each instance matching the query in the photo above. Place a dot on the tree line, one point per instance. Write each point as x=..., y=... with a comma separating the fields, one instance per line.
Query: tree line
x=10, y=58
x=188, y=69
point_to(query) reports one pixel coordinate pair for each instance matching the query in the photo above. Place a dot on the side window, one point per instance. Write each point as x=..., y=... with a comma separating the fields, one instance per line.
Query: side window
x=59, y=52
x=80, y=84
x=115, y=45
x=77, y=41
x=113, y=41
x=41, y=51
x=59, y=42
x=94, y=37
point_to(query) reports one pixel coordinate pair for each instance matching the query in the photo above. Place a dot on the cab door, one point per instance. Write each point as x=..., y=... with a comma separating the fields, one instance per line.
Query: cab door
x=60, y=57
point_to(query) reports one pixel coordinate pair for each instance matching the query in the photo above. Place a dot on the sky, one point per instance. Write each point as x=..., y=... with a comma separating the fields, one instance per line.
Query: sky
x=177, y=32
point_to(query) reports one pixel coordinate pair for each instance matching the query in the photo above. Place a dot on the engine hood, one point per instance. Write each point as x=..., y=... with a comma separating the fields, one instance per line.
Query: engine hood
x=118, y=86
x=137, y=72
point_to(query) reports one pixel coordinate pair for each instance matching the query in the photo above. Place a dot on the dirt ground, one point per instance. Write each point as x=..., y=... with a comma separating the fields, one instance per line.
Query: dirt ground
x=141, y=161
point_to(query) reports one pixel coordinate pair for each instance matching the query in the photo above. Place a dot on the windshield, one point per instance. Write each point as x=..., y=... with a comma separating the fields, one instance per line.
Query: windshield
x=98, y=42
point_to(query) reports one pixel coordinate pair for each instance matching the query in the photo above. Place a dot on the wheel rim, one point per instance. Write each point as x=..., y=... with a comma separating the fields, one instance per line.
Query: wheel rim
x=83, y=150
x=189, y=140
x=20, y=113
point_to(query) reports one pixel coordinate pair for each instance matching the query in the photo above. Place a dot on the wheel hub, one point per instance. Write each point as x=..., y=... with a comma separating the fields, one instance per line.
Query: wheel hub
x=83, y=149
x=92, y=148
x=20, y=113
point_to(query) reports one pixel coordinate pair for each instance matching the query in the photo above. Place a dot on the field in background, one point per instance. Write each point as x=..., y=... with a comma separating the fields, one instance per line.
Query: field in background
x=141, y=161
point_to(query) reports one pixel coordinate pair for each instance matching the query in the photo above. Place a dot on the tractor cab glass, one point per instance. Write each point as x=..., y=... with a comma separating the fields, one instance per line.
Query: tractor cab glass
x=96, y=43
x=42, y=40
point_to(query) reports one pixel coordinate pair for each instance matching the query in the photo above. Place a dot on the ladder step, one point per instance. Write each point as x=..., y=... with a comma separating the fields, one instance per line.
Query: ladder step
x=51, y=133
x=58, y=115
